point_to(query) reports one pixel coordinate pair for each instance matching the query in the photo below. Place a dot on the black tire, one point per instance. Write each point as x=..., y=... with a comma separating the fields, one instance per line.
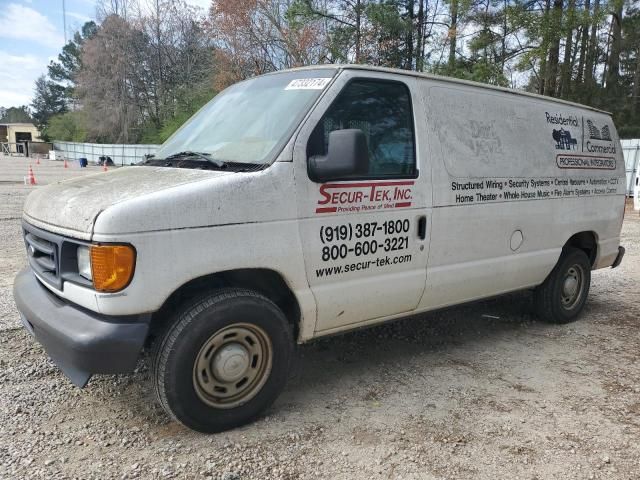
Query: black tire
x=184, y=392
x=552, y=301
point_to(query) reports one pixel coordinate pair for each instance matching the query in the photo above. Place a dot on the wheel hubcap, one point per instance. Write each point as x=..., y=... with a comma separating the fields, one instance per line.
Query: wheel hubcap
x=232, y=365
x=572, y=286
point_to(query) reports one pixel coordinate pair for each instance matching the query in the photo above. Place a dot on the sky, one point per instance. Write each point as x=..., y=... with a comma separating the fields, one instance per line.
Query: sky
x=31, y=35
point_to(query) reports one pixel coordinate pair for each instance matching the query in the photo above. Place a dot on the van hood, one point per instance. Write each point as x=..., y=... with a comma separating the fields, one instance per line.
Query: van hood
x=72, y=206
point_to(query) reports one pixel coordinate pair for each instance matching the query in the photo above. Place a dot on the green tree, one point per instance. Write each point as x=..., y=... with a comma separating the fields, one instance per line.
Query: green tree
x=15, y=115
x=627, y=111
x=69, y=126
x=390, y=31
x=189, y=104
x=69, y=62
x=48, y=100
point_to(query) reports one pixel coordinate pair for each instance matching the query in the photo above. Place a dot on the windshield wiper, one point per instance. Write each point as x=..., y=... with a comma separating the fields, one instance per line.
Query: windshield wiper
x=203, y=156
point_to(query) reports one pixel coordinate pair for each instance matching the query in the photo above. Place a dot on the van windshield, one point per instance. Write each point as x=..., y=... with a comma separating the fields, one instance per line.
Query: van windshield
x=251, y=121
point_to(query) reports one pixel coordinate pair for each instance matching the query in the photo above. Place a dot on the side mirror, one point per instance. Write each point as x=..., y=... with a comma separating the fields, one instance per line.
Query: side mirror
x=348, y=156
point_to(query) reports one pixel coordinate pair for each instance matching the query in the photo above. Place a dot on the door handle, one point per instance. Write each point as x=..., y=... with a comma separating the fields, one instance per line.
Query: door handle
x=422, y=227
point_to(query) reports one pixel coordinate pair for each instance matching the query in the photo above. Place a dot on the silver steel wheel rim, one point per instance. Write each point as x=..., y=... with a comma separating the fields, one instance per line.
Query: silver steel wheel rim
x=572, y=287
x=232, y=365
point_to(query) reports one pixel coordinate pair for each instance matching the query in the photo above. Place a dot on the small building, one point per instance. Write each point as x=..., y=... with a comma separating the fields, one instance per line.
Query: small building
x=14, y=135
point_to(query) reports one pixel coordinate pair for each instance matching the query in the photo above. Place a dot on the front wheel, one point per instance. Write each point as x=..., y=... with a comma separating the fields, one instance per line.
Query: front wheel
x=224, y=360
x=563, y=294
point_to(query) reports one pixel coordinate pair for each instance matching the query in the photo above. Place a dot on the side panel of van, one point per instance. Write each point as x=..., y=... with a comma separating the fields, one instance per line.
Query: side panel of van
x=513, y=179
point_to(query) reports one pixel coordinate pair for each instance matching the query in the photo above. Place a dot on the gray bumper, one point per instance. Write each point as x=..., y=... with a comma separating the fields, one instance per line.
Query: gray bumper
x=79, y=341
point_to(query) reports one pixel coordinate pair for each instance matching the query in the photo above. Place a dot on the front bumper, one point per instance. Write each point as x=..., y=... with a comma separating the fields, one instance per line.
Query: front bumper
x=79, y=341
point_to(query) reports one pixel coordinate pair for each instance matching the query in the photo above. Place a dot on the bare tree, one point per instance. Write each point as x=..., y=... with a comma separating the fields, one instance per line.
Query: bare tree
x=143, y=69
x=257, y=36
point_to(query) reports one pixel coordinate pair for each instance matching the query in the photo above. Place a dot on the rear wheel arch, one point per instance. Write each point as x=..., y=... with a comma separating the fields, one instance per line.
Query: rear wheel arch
x=587, y=241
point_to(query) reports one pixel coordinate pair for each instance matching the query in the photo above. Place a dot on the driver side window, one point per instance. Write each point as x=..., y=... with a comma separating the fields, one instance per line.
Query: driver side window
x=382, y=111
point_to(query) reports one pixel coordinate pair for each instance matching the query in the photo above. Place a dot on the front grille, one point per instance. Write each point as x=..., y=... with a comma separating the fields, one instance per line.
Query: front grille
x=43, y=252
x=53, y=257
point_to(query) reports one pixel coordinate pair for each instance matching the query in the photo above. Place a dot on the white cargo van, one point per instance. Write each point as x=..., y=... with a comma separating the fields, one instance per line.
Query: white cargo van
x=309, y=202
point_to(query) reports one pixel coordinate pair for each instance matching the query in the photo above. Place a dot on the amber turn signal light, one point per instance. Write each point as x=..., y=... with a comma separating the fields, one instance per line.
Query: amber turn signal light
x=112, y=266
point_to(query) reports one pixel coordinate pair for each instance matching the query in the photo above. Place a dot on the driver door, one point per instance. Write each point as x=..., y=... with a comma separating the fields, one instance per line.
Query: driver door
x=365, y=238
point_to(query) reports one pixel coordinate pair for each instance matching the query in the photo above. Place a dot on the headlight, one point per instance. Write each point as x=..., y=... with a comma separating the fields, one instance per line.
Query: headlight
x=109, y=267
x=84, y=262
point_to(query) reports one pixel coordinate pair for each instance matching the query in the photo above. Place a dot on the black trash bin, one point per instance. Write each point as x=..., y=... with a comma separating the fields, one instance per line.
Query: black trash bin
x=83, y=162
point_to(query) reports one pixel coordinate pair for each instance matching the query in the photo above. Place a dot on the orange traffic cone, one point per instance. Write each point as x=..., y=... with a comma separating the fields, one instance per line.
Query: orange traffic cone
x=37, y=160
x=32, y=178
x=65, y=163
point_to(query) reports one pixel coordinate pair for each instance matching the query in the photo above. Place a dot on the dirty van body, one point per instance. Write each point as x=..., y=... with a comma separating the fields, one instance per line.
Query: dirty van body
x=310, y=202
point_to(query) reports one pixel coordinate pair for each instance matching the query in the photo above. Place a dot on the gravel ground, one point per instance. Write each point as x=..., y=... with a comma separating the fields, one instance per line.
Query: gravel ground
x=481, y=391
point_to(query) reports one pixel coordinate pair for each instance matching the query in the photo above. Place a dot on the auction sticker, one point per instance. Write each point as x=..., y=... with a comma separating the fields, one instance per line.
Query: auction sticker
x=307, y=84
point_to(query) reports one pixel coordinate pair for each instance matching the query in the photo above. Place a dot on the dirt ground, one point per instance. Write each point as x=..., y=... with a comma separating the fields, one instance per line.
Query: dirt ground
x=481, y=391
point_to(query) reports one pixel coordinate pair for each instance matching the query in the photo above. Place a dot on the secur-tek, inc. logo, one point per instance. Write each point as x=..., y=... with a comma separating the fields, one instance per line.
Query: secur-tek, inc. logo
x=365, y=196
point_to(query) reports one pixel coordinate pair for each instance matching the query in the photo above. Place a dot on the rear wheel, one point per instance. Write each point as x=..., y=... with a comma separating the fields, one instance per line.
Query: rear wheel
x=562, y=296
x=224, y=360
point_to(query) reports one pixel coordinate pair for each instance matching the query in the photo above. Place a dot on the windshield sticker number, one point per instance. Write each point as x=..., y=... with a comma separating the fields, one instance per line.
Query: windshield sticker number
x=307, y=84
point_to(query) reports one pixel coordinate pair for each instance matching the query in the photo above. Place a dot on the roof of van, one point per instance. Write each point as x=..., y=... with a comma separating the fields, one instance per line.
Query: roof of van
x=445, y=79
